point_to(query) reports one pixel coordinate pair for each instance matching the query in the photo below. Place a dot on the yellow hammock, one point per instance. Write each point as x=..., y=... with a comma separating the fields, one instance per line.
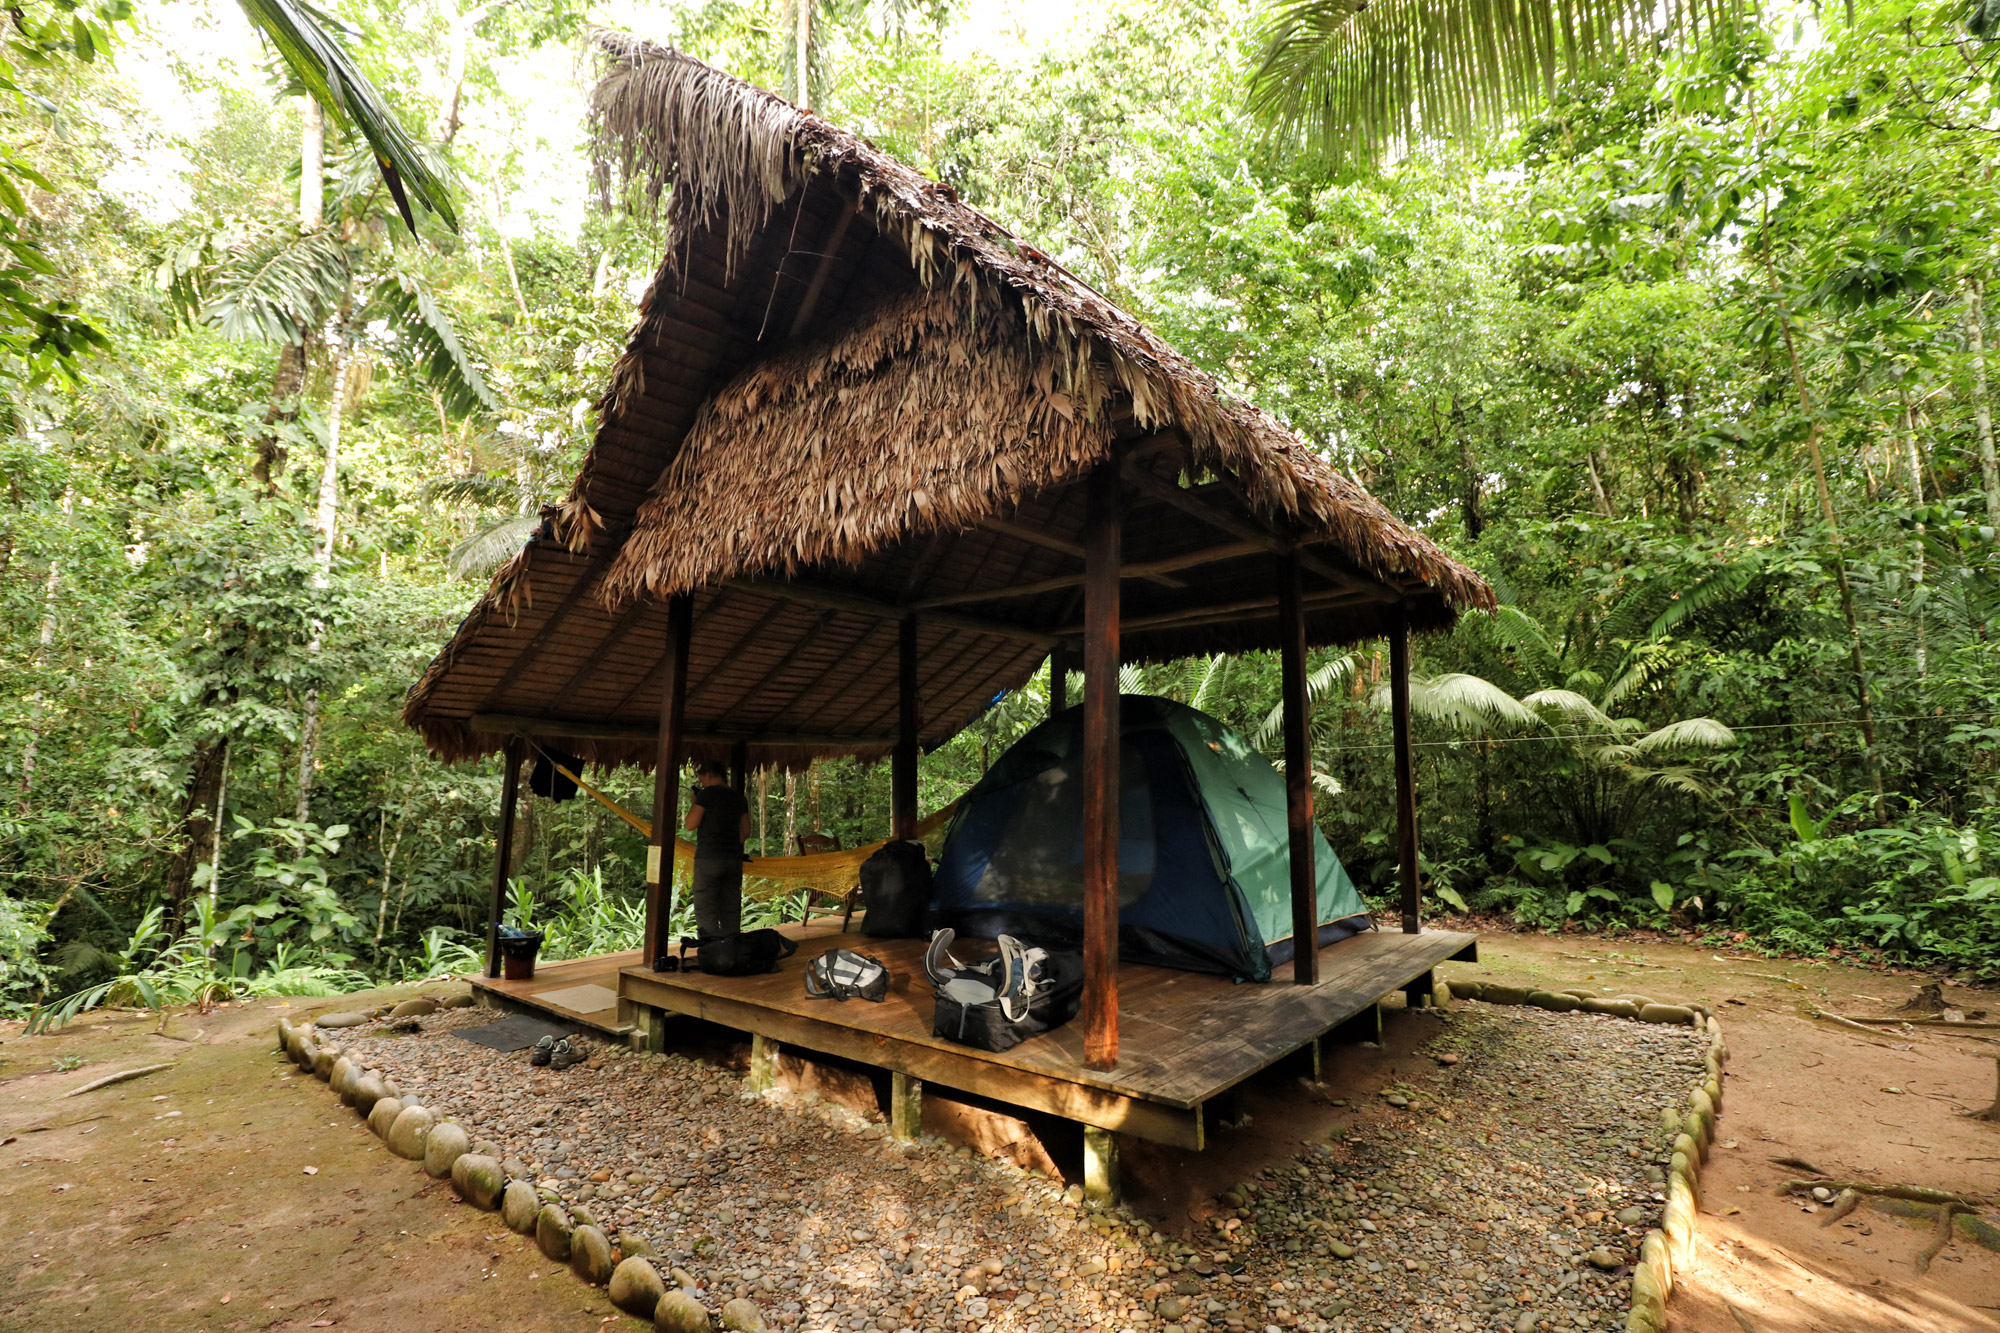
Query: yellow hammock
x=829, y=873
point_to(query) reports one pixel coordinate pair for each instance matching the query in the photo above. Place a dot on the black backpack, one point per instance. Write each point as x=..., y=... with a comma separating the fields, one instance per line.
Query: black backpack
x=745, y=954
x=896, y=890
x=985, y=1023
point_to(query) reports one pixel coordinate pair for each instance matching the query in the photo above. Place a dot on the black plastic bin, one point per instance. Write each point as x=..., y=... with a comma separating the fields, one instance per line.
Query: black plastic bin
x=517, y=952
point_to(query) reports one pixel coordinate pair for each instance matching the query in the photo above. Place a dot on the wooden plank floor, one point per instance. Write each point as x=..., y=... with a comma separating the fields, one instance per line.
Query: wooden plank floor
x=1183, y=1038
x=599, y=970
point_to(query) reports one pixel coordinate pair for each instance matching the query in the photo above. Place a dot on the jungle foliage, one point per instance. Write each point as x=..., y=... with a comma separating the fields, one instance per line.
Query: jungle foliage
x=1688, y=357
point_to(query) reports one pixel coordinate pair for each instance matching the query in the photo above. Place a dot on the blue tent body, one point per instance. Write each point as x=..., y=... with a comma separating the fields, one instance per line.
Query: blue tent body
x=1203, y=850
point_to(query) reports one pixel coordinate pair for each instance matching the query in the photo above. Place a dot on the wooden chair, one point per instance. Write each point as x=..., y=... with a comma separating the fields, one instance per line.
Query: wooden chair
x=810, y=843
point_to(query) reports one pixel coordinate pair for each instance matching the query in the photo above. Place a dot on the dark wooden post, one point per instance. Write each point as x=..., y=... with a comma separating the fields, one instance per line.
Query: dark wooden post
x=903, y=764
x=1059, y=680
x=1101, y=543
x=503, y=848
x=739, y=766
x=1406, y=778
x=667, y=776
x=1298, y=773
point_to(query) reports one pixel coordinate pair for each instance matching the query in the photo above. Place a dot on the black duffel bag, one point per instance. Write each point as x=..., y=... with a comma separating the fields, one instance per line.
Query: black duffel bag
x=744, y=954
x=986, y=1023
x=896, y=890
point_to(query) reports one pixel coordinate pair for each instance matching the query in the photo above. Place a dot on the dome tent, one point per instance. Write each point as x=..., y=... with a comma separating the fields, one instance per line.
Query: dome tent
x=1203, y=852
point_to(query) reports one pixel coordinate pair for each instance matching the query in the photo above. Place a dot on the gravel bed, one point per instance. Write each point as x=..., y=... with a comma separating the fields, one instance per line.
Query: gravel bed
x=1507, y=1187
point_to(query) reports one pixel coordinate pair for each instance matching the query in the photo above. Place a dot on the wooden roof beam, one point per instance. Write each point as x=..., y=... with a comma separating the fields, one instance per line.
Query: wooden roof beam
x=1145, y=569
x=1049, y=541
x=861, y=604
x=1154, y=488
x=507, y=724
x=1249, y=608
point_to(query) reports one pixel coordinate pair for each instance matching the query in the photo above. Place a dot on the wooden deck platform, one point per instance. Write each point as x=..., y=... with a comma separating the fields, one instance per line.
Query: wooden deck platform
x=1185, y=1039
x=565, y=991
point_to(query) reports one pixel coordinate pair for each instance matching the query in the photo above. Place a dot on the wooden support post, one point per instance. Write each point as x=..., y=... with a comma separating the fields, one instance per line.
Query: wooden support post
x=655, y=1028
x=1058, y=680
x=1298, y=773
x=1100, y=1167
x=1365, y=1026
x=1420, y=992
x=763, y=1075
x=1100, y=769
x=739, y=765
x=903, y=764
x=503, y=848
x=666, y=779
x=906, y=1106
x=1406, y=777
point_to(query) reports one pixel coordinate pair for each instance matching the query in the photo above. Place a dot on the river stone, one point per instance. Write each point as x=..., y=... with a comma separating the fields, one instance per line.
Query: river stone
x=518, y=1205
x=1465, y=988
x=337, y=1077
x=590, y=1255
x=382, y=1115
x=1504, y=994
x=743, y=1315
x=1170, y=1308
x=340, y=1020
x=367, y=1090
x=552, y=1232
x=389, y=1089
x=636, y=1287
x=635, y=1246
x=306, y=1055
x=359, y=1072
x=418, y=1008
x=446, y=1144
x=477, y=1177
x=463, y=1001
x=1631, y=1217
x=1554, y=1001
x=409, y=1130
x=678, y=1312
x=1597, y=1004
x=1605, y=1258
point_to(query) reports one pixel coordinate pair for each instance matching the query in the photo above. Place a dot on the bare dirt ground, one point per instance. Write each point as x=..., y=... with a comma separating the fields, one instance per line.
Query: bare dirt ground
x=1884, y=1108
x=183, y=1200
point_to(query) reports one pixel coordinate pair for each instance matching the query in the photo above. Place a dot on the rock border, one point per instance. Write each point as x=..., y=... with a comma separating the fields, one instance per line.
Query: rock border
x=565, y=1232
x=1669, y=1246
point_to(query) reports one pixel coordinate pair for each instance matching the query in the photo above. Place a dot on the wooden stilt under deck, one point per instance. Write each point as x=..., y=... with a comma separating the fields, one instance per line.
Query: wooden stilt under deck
x=903, y=762
x=503, y=848
x=1101, y=541
x=1298, y=774
x=1406, y=777
x=666, y=777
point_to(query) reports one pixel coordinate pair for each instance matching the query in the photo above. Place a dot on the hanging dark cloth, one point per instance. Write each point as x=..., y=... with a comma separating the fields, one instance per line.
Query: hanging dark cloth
x=547, y=780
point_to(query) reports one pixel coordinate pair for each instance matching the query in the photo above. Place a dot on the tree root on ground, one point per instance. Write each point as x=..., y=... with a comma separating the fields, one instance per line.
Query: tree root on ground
x=1842, y=1206
x=1992, y=1112
x=1939, y=1239
x=1913, y=1193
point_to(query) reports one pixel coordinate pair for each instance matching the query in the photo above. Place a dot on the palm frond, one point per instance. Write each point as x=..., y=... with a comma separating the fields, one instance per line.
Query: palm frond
x=277, y=284
x=1332, y=676
x=1352, y=77
x=1571, y=705
x=486, y=549
x=1524, y=634
x=305, y=41
x=1690, y=733
x=1456, y=699
x=428, y=339
x=469, y=490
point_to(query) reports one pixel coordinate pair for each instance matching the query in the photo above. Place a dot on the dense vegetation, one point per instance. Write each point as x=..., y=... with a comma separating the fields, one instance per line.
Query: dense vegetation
x=1690, y=362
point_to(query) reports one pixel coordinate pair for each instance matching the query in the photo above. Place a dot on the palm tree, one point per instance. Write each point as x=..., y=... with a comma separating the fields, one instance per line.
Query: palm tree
x=1352, y=77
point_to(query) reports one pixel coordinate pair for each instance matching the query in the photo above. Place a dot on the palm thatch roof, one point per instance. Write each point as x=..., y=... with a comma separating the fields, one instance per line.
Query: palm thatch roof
x=851, y=398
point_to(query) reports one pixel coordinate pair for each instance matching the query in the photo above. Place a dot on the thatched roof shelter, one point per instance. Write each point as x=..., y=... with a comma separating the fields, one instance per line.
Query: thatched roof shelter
x=851, y=399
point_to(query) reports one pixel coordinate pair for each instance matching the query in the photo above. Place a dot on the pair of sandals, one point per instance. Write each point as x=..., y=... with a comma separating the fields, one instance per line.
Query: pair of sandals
x=1012, y=978
x=558, y=1053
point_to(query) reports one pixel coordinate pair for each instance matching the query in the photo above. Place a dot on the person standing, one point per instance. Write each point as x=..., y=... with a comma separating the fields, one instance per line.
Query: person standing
x=720, y=820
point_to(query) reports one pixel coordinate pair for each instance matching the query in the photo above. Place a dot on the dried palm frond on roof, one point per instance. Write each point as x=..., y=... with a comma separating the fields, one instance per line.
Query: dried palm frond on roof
x=726, y=154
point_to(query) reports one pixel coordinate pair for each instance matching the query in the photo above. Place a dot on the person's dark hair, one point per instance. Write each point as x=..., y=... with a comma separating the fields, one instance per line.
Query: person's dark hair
x=711, y=769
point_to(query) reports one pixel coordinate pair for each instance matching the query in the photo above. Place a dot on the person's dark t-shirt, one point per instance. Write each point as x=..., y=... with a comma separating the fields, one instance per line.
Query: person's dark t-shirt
x=720, y=834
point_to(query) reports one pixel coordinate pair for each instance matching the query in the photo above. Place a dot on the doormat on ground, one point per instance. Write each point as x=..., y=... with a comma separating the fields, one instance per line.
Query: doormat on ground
x=516, y=1032
x=580, y=999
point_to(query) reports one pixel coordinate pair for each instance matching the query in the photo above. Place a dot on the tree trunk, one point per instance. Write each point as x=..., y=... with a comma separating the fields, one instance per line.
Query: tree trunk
x=763, y=810
x=1916, y=494
x=507, y=253
x=1989, y=467
x=312, y=166
x=812, y=783
x=326, y=521
x=791, y=811
x=45, y=639
x=198, y=829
